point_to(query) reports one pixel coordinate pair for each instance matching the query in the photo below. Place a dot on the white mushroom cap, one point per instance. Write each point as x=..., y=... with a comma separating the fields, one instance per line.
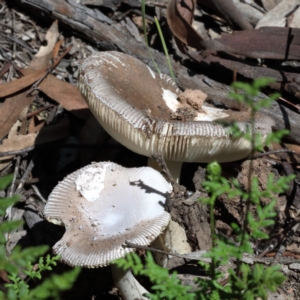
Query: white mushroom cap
x=103, y=205
x=135, y=106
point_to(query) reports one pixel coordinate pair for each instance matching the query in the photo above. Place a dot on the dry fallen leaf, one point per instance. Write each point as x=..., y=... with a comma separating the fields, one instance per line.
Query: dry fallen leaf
x=10, y=111
x=278, y=15
x=180, y=16
x=12, y=107
x=295, y=20
x=18, y=142
x=46, y=135
x=270, y=4
x=42, y=58
x=17, y=85
x=3, y=277
x=35, y=125
x=65, y=94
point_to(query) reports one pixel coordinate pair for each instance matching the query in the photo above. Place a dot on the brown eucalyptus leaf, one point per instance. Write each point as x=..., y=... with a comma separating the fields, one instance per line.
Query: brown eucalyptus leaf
x=180, y=16
x=10, y=111
x=46, y=135
x=65, y=94
x=42, y=58
x=15, y=86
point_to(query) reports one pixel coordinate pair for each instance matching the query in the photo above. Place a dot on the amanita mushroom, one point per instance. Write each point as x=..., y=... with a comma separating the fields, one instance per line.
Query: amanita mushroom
x=103, y=205
x=138, y=108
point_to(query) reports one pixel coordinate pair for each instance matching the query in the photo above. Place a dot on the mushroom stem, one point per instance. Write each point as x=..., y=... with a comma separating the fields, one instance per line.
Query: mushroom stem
x=174, y=238
x=127, y=285
x=173, y=166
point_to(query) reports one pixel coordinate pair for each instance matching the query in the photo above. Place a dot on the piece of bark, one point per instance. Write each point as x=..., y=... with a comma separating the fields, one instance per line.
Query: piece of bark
x=284, y=81
x=266, y=42
x=107, y=37
x=252, y=71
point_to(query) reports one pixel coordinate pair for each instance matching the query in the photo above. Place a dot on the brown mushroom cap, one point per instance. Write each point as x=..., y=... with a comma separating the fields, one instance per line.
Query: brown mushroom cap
x=103, y=205
x=135, y=106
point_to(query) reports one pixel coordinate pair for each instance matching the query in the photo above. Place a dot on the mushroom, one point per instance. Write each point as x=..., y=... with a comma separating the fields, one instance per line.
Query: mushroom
x=102, y=206
x=141, y=109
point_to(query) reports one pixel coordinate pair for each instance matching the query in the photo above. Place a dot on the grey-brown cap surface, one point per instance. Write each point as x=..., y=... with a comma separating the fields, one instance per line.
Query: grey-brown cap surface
x=103, y=205
x=136, y=106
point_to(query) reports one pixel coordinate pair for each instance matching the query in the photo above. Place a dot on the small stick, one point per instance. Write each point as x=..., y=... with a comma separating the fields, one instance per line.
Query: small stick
x=38, y=111
x=24, y=177
x=17, y=152
x=274, y=152
x=164, y=167
x=13, y=183
x=51, y=68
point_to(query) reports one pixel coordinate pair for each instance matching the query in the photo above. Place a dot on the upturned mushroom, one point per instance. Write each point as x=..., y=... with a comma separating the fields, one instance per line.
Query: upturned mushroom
x=144, y=112
x=102, y=206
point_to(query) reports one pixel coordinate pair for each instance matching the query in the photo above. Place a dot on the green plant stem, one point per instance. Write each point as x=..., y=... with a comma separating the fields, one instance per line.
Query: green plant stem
x=213, y=235
x=146, y=36
x=161, y=36
x=250, y=191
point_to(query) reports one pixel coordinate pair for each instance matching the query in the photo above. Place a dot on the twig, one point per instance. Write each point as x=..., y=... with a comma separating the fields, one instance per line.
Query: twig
x=18, y=41
x=38, y=111
x=50, y=69
x=13, y=34
x=282, y=236
x=164, y=167
x=132, y=245
x=290, y=103
x=17, y=152
x=274, y=152
x=285, y=243
x=24, y=177
x=31, y=148
x=35, y=188
x=13, y=183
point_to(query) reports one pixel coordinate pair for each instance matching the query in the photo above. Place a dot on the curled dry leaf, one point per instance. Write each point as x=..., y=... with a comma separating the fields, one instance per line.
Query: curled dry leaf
x=180, y=17
x=42, y=58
